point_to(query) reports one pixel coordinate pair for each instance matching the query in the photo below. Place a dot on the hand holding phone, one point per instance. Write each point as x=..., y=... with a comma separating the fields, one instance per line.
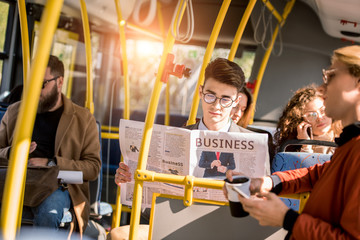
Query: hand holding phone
x=309, y=132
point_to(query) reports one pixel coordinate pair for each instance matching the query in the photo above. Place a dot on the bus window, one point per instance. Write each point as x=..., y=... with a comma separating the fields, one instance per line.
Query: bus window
x=64, y=47
x=181, y=90
x=4, y=13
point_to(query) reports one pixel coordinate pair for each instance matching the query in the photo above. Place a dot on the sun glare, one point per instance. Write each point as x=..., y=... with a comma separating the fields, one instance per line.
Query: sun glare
x=147, y=49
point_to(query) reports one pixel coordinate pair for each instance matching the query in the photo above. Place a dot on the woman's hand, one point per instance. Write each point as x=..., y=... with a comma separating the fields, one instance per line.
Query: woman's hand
x=123, y=174
x=302, y=131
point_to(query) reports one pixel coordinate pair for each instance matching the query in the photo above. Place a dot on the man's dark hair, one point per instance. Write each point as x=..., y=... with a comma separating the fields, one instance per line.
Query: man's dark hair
x=227, y=72
x=56, y=66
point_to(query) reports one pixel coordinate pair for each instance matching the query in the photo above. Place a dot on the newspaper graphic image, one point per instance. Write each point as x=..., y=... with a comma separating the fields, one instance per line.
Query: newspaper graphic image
x=202, y=154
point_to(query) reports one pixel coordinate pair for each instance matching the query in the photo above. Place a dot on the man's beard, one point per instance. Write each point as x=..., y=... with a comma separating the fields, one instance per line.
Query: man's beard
x=49, y=101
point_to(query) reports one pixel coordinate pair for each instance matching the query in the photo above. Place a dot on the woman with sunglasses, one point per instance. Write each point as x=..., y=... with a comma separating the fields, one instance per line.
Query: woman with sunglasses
x=304, y=118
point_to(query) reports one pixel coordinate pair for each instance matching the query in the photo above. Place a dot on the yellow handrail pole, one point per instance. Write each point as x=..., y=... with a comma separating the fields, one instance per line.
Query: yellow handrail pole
x=121, y=23
x=273, y=11
x=71, y=72
x=151, y=176
x=241, y=28
x=167, y=104
x=167, y=90
x=89, y=103
x=209, y=49
x=266, y=57
x=149, y=122
x=26, y=68
x=160, y=19
x=109, y=128
x=24, y=41
x=25, y=122
x=110, y=135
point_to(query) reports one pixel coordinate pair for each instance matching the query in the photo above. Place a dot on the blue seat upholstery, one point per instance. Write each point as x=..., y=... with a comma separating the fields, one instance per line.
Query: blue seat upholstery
x=293, y=160
x=98, y=208
x=2, y=112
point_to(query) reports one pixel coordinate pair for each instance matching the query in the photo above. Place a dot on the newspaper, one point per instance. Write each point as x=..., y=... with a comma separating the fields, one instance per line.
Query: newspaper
x=203, y=154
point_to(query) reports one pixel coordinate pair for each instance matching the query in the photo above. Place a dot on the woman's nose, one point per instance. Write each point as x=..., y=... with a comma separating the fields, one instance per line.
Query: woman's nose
x=238, y=113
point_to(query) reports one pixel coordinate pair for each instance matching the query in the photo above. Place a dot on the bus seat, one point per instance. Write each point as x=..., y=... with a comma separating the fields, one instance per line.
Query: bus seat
x=2, y=112
x=270, y=140
x=172, y=220
x=284, y=161
x=98, y=208
x=293, y=160
x=176, y=120
x=111, y=155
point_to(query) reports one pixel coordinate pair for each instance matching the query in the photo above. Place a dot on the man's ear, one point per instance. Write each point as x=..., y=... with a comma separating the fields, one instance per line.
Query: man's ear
x=200, y=89
x=60, y=82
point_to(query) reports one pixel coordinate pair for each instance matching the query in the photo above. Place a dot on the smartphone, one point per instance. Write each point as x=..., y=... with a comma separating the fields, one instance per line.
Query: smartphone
x=309, y=132
x=241, y=192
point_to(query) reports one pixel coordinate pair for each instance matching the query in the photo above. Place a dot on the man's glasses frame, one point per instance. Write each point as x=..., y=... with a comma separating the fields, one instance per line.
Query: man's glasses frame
x=46, y=81
x=225, y=102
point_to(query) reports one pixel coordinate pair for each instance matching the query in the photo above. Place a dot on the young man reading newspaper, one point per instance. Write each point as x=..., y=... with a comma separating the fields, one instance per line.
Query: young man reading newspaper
x=219, y=94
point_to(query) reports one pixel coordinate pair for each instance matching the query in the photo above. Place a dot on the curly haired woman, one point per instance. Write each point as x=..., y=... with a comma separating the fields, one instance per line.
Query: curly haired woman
x=304, y=118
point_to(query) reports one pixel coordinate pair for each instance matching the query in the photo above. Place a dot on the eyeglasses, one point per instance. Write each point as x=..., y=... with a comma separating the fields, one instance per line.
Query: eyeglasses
x=46, y=81
x=224, y=101
x=328, y=75
x=312, y=116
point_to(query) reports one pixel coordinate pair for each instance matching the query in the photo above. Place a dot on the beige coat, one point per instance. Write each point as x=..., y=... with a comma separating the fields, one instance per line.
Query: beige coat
x=77, y=148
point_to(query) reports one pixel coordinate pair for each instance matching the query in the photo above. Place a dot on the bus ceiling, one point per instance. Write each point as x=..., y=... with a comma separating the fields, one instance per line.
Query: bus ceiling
x=339, y=19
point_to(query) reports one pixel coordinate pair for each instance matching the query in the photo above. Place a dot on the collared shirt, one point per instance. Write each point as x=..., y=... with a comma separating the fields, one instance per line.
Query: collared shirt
x=224, y=129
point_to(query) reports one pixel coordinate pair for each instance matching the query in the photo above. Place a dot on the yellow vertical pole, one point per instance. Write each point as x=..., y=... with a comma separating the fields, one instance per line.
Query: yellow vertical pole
x=167, y=90
x=89, y=103
x=209, y=49
x=167, y=105
x=26, y=68
x=25, y=122
x=241, y=28
x=124, y=59
x=149, y=122
x=287, y=10
x=121, y=23
x=24, y=40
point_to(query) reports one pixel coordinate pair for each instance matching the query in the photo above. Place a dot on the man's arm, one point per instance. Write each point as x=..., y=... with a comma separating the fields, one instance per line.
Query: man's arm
x=300, y=180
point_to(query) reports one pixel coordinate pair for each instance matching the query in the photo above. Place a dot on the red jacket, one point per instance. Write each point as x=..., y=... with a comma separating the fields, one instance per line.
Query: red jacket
x=333, y=209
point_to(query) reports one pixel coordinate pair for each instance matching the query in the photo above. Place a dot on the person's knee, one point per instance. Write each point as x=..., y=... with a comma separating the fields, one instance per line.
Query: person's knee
x=50, y=212
x=48, y=218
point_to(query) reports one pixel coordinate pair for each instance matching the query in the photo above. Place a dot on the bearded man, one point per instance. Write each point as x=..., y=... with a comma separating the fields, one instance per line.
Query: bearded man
x=65, y=135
